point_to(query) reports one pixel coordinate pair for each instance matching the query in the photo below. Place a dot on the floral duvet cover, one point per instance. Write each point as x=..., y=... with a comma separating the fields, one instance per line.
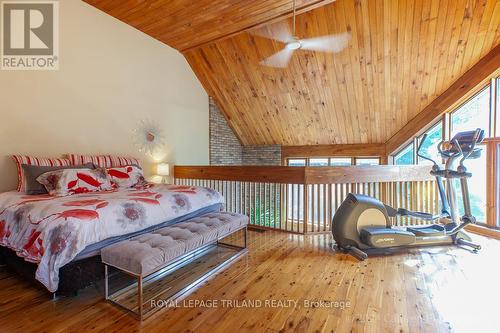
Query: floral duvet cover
x=51, y=231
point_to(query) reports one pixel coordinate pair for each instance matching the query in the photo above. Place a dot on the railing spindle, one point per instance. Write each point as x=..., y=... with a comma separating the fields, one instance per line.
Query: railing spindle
x=292, y=207
x=305, y=200
x=284, y=208
x=324, y=207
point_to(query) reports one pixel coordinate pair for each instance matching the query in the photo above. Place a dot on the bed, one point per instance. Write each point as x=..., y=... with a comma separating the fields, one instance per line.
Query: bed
x=58, y=239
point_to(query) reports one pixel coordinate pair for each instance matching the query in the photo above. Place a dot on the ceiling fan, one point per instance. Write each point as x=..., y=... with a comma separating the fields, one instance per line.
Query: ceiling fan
x=328, y=43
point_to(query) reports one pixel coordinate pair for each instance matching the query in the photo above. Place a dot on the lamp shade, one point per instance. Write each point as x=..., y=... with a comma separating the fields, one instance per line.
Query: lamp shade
x=163, y=169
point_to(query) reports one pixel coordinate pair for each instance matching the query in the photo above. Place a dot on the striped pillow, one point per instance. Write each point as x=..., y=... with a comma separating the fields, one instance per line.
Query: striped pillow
x=103, y=161
x=119, y=161
x=31, y=160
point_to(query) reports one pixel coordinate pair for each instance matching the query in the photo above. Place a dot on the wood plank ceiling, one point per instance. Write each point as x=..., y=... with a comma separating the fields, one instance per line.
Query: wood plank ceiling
x=402, y=55
x=186, y=24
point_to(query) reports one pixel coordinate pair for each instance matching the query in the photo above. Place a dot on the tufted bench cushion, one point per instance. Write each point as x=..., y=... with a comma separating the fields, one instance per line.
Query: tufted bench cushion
x=145, y=254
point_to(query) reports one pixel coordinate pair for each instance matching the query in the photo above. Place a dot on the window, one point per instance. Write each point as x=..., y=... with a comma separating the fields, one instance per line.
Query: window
x=497, y=107
x=318, y=162
x=367, y=161
x=297, y=162
x=475, y=113
x=429, y=148
x=340, y=161
x=405, y=156
x=333, y=161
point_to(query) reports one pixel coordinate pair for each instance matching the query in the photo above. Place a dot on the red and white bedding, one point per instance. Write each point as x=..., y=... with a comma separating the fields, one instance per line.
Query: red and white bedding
x=51, y=231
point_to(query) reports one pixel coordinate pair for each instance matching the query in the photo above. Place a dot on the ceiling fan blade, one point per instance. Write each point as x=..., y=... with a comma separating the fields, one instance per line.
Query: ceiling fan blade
x=329, y=43
x=279, y=59
x=279, y=32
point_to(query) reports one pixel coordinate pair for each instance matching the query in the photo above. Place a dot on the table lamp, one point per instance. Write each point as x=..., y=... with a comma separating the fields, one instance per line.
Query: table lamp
x=163, y=170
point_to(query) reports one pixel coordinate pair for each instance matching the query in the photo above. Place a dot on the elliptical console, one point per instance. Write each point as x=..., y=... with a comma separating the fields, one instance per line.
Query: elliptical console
x=362, y=223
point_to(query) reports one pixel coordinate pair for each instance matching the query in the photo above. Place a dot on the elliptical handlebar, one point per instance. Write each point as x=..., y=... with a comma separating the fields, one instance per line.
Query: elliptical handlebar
x=454, y=151
x=477, y=138
x=463, y=143
x=436, y=166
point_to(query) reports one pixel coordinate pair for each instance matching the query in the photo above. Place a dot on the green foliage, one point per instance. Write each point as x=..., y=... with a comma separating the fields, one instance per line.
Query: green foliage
x=264, y=217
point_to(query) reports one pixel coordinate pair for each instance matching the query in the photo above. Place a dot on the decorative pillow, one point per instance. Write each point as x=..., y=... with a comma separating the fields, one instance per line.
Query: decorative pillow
x=103, y=161
x=74, y=181
x=119, y=161
x=30, y=160
x=32, y=172
x=127, y=176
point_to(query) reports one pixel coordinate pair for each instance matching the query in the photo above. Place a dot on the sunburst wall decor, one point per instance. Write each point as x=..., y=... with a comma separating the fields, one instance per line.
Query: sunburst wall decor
x=148, y=137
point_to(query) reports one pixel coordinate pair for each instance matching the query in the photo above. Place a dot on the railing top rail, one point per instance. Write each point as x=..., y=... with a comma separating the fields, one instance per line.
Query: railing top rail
x=264, y=174
x=367, y=174
x=307, y=175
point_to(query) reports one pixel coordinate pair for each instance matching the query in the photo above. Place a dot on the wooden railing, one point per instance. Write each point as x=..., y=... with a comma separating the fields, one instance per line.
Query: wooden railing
x=304, y=199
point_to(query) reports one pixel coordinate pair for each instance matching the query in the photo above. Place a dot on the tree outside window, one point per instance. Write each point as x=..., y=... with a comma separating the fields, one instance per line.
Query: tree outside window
x=429, y=147
x=405, y=156
x=475, y=113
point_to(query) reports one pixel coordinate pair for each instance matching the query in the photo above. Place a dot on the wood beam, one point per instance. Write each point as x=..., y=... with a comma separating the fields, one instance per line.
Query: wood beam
x=343, y=150
x=265, y=174
x=479, y=73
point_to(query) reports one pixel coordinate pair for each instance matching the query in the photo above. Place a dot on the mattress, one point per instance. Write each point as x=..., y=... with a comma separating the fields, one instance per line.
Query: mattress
x=53, y=231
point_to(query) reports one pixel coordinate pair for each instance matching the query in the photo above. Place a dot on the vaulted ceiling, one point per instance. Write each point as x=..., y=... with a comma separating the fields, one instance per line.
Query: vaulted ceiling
x=402, y=55
x=186, y=24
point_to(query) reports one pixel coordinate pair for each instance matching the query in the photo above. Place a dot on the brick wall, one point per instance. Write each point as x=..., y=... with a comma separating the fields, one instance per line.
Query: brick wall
x=262, y=155
x=226, y=149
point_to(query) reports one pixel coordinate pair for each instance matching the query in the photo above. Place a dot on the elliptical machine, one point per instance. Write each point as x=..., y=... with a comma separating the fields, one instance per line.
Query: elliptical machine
x=362, y=223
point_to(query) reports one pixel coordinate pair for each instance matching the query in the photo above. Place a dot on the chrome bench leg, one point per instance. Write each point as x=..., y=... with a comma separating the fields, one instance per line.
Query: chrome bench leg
x=106, y=282
x=246, y=237
x=139, y=292
x=245, y=241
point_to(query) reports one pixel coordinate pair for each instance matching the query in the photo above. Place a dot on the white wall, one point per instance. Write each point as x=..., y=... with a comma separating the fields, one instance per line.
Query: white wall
x=110, y=77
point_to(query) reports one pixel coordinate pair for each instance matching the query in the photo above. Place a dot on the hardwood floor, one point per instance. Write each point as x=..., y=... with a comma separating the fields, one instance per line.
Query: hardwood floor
x=419, y=290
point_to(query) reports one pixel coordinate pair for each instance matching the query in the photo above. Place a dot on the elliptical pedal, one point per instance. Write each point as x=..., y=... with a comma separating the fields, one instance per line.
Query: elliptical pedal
x=434, y=230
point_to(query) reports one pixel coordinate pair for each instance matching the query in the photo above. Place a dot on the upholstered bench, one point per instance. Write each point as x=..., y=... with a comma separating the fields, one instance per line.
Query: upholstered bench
x=146, y=254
